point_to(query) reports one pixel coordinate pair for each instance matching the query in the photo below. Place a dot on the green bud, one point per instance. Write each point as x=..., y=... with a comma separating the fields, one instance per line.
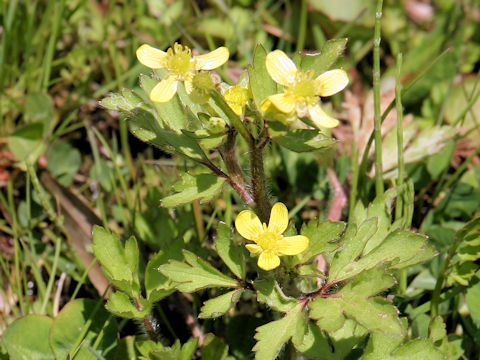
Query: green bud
x=203, y=82
x=215, y=125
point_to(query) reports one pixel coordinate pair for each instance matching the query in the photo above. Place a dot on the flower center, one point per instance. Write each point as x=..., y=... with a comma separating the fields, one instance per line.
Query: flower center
x=302, y=88
x=268, y=240
x=179, y=61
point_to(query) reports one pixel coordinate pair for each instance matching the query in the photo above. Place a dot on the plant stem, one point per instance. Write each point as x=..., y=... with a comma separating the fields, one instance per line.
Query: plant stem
x=258, y=184
x=376, y=100
x=231, y=161
x=440, y=279
x=398, y=97
x=234, y=119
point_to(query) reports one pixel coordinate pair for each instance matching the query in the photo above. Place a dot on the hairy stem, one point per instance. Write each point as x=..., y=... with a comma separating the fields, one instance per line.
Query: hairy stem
x=231, y=161
x=259, y=186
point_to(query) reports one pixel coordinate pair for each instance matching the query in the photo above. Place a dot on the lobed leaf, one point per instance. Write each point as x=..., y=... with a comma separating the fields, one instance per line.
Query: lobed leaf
x=121, y=305
x=201, y=187
x=196, y=274
x=272, y=336
x=270, y=293
x=331, y=51
x=304, y=140
x=261, y=84
x=231, y=254
x=219, y=305
x=119, y=263
x=323, y=236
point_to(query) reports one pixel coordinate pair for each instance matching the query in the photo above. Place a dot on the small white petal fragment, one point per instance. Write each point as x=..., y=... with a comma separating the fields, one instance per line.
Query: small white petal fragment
x=280, y=67
x=164, y=90
x=212, y=60
x=331, y=82
x=151, y=57
x=320, y=117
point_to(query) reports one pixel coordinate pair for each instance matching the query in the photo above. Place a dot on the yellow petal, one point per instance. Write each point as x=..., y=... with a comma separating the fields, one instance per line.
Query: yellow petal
x=151, y=57
x=212, y=60
x=280, y=67
x=164, y=90
x=248, y=225
x=320, y=117
x=278, y=218
x=331, y=82
x=282, y=103
x=268, y=260
x=292, y=245
x=237, y=109
x=253, y=248
x=188, y=86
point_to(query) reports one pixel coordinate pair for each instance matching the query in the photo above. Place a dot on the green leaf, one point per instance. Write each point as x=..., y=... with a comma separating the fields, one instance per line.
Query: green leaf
x=323, y=237
x=166, y=353
x=219, y=305
x=380, y=345
x=39, y=108
x=401, y=248
x=303, y=140
x=26, y=142
x=213, y=348
x=354, y=242
x=201, y=187
x=438, y=163
x=145, y=126
x=196, y=274
x=27, y=338
x=261, y=84
x=126, y=101
x=121, y=305
x=314, y=344
x=345, y=339
x=86, y=323
x=380, y=208
x=473, y=300
x=120, y=264
x=63, y=161
x=145, y=347
x=230, y=253
x=269, y=292
x=355, y=301
x=188, y=349
x=417, y=349
x=172, y=112
x=467, y=253
x=158, y=285
x=328, y=56
x=272, y=336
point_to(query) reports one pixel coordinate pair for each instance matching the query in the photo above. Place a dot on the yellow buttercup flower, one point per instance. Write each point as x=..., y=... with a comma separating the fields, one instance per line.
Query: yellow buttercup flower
x=180, y=64
x=269, y=241
x=301, y=95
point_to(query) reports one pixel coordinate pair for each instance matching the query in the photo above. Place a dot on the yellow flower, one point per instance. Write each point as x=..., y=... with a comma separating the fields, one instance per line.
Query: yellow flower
x=237, y=97
x=301, y=95
x=269, y=241
x=180, y=64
